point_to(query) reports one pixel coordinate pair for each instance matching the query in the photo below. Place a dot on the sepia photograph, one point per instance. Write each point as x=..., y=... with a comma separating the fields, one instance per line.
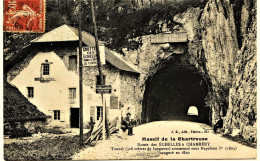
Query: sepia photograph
x=129, y=79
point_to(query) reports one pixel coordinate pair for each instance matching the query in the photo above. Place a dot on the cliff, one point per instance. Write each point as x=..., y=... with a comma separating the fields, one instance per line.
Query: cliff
x=214, y=38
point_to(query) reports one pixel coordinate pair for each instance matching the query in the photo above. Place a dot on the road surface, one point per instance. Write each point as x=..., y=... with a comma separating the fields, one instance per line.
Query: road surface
x=168, y=140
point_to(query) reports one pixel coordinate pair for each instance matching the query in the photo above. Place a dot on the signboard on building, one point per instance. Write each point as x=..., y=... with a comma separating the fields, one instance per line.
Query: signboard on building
x=89, y=56
x=44, y=80
x=113, y=102
x=105, y=89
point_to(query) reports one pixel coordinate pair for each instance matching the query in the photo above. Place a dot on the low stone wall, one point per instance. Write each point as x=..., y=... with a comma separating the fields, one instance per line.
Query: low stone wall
x=35, y=126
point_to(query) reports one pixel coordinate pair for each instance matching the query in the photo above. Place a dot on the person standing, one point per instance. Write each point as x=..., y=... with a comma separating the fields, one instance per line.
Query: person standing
x=128, y=123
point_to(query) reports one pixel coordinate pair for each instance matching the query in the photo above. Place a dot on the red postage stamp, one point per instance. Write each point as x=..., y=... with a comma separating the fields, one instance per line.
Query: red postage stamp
x=24, y=15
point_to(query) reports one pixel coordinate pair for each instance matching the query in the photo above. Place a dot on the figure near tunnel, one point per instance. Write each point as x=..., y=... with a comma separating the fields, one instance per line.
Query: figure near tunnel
x=127, y=124
x=218, y=124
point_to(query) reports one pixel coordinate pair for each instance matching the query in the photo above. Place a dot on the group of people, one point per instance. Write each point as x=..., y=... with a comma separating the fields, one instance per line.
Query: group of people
x=127, y=124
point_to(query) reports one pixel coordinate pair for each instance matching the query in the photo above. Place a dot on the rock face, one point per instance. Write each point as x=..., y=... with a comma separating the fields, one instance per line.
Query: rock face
x=222, y=48
x=219, y=41
x=219, y=37
x=242, y=111
x=231, y=69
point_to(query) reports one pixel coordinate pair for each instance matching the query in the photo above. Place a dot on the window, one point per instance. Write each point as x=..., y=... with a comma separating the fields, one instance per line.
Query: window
x=46, y=69
x=72, y=92
x=56, y=114
x=99, y=80
x=30, y=92
x=73, y=63
x=99, y=112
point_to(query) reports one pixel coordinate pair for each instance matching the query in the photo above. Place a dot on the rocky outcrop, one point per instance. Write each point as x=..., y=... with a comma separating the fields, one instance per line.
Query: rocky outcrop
x=219, y=41
x=242, y=111
x=220, y=45
x=231, y=69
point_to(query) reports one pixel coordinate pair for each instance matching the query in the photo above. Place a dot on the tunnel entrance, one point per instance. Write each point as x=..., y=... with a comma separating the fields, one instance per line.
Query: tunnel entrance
x=171, y=91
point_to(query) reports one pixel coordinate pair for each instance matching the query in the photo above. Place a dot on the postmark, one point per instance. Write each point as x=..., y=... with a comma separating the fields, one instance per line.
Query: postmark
x=24, y=15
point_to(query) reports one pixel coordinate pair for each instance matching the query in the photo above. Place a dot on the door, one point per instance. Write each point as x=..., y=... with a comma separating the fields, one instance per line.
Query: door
x=99, y=112
x=74, y=117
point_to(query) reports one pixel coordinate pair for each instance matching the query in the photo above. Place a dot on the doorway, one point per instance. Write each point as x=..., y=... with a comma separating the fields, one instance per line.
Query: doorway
x=74, y=117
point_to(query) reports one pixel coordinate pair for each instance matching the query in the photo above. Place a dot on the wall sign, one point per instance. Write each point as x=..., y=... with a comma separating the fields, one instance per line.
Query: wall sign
x=44, y=80
x=89, y=56
x=105, y=89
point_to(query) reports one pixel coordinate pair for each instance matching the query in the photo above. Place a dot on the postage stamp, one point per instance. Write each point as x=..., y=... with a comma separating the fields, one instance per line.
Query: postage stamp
x=24, y=15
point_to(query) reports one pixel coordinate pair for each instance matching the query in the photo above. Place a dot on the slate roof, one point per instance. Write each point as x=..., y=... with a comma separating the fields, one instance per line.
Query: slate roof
x=17, y=107
x=67, y=33
x=115, y=59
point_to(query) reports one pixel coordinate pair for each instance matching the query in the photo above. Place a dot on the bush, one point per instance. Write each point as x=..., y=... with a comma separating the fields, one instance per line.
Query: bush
x=49, y=148
x=19, y=132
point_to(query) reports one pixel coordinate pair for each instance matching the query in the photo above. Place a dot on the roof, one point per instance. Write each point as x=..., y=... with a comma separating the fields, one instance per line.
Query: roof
x=115, y=59
x=8, y=64
x=66, y=33
x=17, y=107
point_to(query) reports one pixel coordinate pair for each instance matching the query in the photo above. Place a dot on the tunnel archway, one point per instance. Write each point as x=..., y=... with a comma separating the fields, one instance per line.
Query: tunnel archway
x=172, y=90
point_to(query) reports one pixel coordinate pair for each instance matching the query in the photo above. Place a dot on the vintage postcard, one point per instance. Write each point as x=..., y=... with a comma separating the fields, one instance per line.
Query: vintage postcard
x=129, y=79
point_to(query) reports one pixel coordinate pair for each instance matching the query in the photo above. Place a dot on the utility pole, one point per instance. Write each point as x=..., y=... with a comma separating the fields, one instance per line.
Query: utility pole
x=80, y=77
x=99, y=66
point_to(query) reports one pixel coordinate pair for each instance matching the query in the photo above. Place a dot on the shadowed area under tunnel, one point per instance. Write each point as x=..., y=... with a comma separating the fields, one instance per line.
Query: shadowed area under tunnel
x=170, y=93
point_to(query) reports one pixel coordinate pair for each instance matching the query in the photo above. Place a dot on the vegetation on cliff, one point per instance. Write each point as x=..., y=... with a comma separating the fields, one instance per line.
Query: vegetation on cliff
x=117, y=20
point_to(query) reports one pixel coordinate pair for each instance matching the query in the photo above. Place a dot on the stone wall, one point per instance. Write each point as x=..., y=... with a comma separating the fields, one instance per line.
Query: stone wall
x=35, y=126
x=130, y=102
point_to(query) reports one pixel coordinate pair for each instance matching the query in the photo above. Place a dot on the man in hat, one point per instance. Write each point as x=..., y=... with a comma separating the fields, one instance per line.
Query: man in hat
x=128, y=123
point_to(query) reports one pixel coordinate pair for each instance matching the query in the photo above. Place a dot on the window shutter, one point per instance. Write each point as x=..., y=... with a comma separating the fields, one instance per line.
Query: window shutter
x=62, y=115
x=51, y=113
x=92, y=111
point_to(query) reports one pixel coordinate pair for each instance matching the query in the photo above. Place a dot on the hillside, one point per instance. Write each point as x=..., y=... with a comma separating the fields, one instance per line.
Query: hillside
x=117, y=20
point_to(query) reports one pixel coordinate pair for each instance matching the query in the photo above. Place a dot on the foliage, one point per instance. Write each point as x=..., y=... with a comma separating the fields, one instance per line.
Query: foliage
x=15, y=42
x=117, y=20
x=19, y=131
x=121, y=21
x=49, y=148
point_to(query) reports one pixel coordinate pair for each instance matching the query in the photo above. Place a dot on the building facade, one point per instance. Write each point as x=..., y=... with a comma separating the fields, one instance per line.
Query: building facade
x=46, y=72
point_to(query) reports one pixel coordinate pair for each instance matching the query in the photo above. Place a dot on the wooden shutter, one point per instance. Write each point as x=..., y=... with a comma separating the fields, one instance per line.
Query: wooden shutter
x=92, y=111
x=62, y=115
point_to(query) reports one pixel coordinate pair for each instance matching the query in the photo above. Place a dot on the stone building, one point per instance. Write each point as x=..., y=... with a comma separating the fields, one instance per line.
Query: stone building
x=46, y=72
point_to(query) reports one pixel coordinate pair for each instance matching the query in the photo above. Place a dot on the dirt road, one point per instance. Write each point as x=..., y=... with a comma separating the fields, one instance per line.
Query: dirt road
x=168, y=140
